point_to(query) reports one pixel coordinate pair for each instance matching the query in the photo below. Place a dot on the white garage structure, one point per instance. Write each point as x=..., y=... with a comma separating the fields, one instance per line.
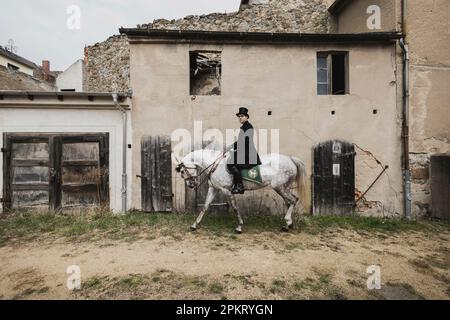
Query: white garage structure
x=64, y=150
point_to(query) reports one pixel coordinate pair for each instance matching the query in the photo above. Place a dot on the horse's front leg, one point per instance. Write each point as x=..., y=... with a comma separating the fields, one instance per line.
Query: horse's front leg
x=232, y=201
x=212, y=192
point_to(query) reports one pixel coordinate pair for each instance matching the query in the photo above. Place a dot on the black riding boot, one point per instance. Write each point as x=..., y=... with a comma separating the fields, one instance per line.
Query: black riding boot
x=238, y=186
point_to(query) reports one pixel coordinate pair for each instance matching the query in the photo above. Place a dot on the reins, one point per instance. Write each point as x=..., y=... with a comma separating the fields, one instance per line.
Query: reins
x=212, y=168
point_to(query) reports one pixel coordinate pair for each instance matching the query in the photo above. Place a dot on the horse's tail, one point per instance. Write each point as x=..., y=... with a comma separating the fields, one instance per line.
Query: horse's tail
x=301, y=179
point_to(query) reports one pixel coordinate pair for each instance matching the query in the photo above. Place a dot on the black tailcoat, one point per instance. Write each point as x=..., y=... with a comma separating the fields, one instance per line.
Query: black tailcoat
x=245, y=155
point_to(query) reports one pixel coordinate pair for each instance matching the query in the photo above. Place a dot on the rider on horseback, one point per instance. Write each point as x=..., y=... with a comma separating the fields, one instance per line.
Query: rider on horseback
x=244, y=155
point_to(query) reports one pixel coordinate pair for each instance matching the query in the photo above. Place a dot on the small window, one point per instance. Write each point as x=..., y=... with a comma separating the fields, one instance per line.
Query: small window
x=68, y=90
x=205, y=73
x=13, y=67
x=332, y=73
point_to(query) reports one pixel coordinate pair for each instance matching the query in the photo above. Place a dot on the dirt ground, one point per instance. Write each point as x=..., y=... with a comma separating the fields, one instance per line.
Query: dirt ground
x=266, y=265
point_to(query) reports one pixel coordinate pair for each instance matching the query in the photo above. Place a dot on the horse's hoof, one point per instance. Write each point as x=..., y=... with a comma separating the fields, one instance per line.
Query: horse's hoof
x=287, y=228
x=193, y=228
x=237, y=231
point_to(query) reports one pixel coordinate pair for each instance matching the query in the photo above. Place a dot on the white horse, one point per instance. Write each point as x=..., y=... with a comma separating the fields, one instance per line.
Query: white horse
x=277, y=171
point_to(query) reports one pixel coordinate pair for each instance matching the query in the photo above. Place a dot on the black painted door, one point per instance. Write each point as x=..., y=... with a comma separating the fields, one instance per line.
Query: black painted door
x=334, y=178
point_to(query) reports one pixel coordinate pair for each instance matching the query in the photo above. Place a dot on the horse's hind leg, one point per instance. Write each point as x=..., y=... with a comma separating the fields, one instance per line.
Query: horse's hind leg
x=212, y=192
x=232, y=201
x=291, y=201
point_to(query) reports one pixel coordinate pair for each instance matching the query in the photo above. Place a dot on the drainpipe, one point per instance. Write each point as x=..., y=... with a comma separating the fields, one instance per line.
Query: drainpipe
x=405, y=132
x=115, y=97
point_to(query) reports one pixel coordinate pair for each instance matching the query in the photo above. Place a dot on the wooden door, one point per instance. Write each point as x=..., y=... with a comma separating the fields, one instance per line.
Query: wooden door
x=27, y=169
x=55, y=171
x=440, y=186
x=156, y=174
x=334, y=178
x=83, y=179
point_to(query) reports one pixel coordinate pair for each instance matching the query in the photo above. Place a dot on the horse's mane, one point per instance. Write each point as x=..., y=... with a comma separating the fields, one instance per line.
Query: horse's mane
x=196, y=154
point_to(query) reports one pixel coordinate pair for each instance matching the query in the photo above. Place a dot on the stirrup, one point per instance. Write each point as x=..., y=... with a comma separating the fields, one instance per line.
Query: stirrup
x=238, y=189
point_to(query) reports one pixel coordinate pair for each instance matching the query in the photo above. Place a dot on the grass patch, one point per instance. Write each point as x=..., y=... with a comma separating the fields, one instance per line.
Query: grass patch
x=161, y=284
x=93, y=282
x=26, y=226
x=130, y=282
x=316, y=225
x=216, y=288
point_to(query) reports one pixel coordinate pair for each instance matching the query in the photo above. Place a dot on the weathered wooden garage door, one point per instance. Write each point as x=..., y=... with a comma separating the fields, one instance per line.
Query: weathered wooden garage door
x=55, y=171
x=84, y=171
x=440, y=186
x=156, y=174
x=334, y=178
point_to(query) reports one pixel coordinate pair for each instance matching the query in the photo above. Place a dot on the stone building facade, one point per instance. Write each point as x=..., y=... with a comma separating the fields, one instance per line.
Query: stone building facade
x=107, y=63
x=424, y=23
x=426, y=29
x=277, y=80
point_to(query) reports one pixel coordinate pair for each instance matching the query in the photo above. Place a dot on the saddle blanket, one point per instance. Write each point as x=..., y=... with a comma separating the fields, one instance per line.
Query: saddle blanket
x=252, y=175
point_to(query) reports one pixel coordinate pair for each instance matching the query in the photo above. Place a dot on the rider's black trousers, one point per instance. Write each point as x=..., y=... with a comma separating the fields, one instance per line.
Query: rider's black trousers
x=236, y=172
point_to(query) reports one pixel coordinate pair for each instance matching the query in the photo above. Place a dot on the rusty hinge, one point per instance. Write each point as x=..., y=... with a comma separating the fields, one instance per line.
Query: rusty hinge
x=4, y=150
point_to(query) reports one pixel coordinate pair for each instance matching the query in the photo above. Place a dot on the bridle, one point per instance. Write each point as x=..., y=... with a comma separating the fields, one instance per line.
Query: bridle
x=194, y=178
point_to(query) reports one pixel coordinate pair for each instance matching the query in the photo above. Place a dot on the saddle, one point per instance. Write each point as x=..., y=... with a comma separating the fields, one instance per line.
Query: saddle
x=252, y=175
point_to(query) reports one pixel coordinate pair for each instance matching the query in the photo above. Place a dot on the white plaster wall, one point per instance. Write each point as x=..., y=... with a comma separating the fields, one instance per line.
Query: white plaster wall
x=71, y=121
x=281, y=79
x=72, y=77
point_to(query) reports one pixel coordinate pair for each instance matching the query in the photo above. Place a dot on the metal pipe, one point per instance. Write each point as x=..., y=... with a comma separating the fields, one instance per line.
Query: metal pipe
x=403, y=16
x=373, y=183
x=405, y=132
x=115, y=97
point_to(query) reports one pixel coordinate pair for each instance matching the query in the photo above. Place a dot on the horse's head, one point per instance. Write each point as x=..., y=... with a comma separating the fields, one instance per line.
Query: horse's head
x=187, y=175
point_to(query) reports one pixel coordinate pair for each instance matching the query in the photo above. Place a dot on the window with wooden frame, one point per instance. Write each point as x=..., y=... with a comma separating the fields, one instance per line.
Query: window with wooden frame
x=332, y=73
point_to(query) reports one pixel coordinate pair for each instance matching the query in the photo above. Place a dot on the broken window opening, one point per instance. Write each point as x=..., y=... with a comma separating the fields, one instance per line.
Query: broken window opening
x=205, y=73
x=332, y=73
x=13, y=67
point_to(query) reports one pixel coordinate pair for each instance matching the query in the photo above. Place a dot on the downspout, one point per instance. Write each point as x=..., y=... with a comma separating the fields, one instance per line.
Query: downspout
x=115, y=97
x=403, y=9
x=405, y=132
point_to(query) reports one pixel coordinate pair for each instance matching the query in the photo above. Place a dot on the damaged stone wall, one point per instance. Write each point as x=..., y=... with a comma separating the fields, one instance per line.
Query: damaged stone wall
x=108, y=62
x=108, y=65
x=306, y=16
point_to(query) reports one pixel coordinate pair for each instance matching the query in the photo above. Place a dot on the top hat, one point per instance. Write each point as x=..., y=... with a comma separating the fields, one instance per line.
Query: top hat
x=243, y=111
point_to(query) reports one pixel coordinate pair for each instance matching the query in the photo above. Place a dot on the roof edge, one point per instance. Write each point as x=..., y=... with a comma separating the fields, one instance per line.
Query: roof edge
x=161, y=34
x=19, y=59
x=25, y=93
